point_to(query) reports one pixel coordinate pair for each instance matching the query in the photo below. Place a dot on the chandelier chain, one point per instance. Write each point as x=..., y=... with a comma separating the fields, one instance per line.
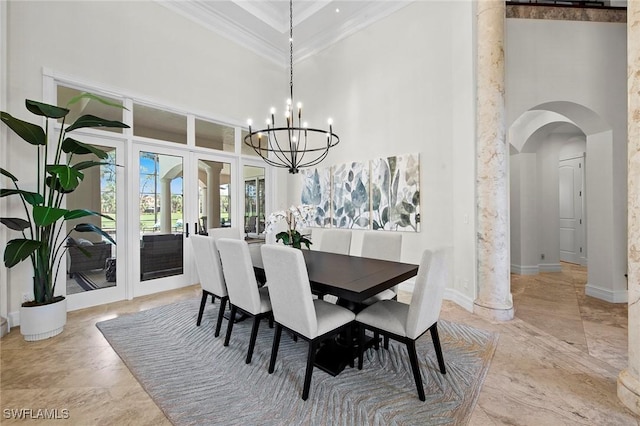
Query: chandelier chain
x=291, y=48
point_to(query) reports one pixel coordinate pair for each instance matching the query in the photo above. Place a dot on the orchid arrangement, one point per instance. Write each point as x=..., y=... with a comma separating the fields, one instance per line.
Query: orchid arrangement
x=297, y=218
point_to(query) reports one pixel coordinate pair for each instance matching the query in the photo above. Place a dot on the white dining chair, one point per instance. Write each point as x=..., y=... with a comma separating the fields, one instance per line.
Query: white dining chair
x=295, y=310
x=210, y=273
x=225, y=233
x=335, y=241
x=244, y=294
x=384, y=246
x=407, y=323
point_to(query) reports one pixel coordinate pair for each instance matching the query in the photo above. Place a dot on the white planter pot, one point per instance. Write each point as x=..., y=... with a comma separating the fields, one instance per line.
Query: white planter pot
x=42, y=322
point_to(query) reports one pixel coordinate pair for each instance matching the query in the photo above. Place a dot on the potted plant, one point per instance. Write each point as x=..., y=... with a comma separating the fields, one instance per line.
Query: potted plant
x=297, y=219
x=43, y=238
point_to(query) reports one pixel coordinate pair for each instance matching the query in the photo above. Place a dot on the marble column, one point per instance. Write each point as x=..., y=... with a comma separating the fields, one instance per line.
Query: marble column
x=629, y=379
x=492, y=169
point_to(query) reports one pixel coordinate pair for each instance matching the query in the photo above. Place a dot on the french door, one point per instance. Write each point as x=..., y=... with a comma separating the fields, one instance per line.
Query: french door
x=90, y=274
x=179, y=192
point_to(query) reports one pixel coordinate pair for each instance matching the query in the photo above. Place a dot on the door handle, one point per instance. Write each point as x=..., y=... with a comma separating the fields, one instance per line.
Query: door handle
x=186, y=229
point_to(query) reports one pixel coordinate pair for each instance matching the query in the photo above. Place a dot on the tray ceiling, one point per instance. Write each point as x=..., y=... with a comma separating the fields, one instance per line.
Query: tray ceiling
x=263, y=26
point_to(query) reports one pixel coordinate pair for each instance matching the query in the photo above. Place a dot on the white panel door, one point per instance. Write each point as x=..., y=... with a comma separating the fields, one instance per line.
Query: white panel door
x=571, y=227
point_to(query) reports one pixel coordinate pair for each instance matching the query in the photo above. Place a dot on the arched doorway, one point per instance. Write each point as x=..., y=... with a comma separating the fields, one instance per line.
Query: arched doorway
x=536, y=140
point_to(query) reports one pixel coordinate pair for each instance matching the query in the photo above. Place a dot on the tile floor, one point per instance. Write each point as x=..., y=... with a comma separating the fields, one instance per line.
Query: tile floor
x=555, y=364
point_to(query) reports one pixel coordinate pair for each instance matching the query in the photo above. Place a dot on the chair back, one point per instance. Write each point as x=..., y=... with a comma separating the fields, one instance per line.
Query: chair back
x=289, y=289
x=428, y=292
x=208, y=264
x=336, y=241
x=225, y=233
x=382, y=245
x=238, y=274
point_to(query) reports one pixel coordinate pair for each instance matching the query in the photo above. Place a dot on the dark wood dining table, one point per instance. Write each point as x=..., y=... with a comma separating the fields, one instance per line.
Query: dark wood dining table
x=352, y=279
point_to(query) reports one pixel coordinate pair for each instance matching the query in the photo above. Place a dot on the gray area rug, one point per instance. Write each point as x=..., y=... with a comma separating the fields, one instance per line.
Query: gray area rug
x=195, y=380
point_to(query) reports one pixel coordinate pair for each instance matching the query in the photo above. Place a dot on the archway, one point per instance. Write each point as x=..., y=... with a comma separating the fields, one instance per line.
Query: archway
x=606, y=225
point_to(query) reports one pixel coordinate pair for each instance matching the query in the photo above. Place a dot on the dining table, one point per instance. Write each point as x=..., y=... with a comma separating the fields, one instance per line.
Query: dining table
x=352, y=279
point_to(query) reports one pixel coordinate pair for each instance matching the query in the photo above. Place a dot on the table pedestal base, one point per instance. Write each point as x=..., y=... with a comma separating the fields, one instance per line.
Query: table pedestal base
x=335, y=354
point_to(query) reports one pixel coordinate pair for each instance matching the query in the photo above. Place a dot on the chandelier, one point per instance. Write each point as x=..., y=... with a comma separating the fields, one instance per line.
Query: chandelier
x=295, y=145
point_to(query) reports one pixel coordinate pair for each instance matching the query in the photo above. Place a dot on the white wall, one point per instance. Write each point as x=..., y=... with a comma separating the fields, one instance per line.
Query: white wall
x=140, y=48
x=406, y=85
x=582, y=63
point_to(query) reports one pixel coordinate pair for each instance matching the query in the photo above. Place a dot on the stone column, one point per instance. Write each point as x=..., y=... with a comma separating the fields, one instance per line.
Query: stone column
x=492, y=169
x=629, y=379
x=165, y=205
x=213, y=194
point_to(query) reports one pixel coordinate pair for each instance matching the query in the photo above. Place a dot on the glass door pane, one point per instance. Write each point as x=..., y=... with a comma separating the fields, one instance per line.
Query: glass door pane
x=91, y=272
x=214, y=195
x=254, y=201
x=161, y=215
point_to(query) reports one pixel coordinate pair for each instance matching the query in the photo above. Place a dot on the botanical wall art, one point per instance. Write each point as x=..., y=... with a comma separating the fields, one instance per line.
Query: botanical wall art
x=395, y=193
x=316, y=192
x=382, y=194
x=351, y=196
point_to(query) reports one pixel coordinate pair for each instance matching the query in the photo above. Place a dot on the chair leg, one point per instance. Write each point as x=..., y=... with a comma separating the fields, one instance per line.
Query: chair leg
x=203, y=301
x=436, y=344
x=223, y=304
x=386, y=342
x=274, y=348
x=413, y=357
x=349, y=338
x=307, y=376
x=230, y=324
x=376, y=340
x=252, y=340
x=360, y=346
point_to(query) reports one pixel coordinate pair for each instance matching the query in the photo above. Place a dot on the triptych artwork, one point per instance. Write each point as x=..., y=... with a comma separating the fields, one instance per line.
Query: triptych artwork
x=381, y=194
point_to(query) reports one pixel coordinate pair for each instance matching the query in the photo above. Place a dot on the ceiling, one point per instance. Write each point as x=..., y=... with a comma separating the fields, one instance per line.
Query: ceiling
x=263, y=25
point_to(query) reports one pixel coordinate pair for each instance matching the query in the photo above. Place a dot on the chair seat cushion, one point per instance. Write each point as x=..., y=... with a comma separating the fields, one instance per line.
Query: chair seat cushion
x=387, y=315
x=265, y=301
x=383, y=295
x=331, y=316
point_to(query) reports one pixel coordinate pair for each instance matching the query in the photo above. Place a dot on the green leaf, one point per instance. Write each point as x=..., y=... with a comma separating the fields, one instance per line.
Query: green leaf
x=89, y=227
x=77, y=147
x=32, y=198
x=57, y=187
x=91, y=96
x=46, y=110
x=77, y=214
x=87, y=164
x=69, y=177
x=7, y=174
x=45, y=216
x=93, y=121
x=27, y=131
x=18, y=250
x=15, y=223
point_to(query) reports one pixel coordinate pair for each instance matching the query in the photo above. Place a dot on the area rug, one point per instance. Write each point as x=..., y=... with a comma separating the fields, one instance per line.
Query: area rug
x=195, y=380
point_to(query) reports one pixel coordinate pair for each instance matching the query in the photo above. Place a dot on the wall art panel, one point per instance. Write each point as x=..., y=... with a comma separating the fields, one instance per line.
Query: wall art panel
x=316, y=192
x=395, y=193
x=351, y=196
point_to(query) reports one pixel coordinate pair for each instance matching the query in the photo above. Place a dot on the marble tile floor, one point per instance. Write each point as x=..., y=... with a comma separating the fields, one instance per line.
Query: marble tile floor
x=542, y=373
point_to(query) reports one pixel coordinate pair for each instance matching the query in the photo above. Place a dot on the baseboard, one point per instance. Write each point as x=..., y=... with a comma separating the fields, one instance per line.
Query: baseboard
x=13, y=319
x=550, y=267
x=524, y=269
x=449, y=294
x=605, y=294
x=459, y=298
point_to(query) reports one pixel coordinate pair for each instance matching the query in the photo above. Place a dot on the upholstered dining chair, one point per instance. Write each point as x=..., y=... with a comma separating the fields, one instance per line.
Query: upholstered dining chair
x=407, y=323
x=294, y=309
x=384, y=246
x=242, y=286
x=336, y=241
x=225, y=233
x=210, y=273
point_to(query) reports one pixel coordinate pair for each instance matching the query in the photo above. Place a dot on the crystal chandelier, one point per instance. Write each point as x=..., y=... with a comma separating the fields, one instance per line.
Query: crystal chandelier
x=295, y=145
